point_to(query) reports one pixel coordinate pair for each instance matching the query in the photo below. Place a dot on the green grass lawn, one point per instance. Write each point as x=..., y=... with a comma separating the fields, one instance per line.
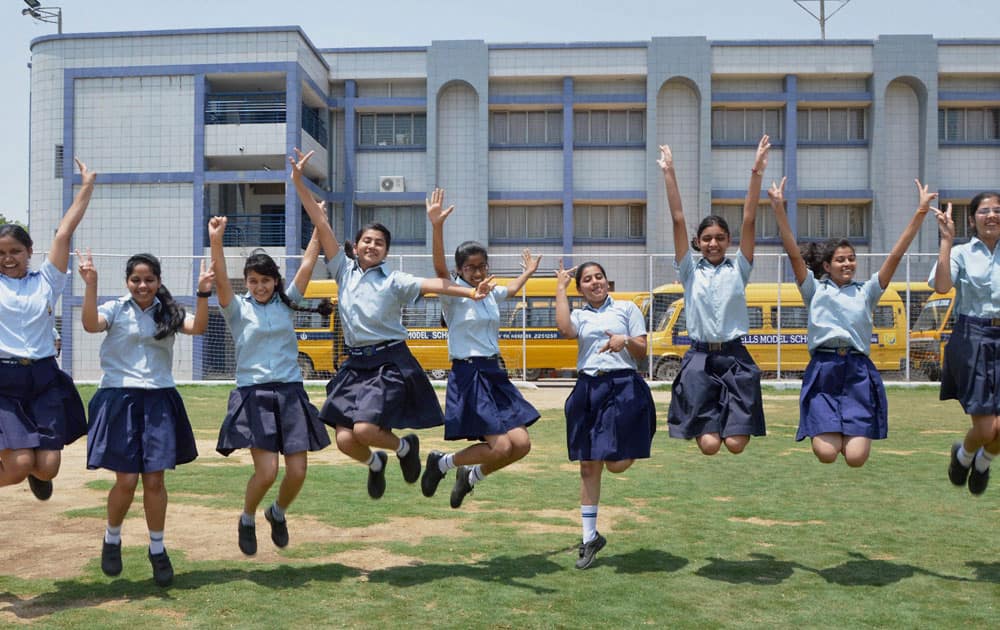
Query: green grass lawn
x=769, y=538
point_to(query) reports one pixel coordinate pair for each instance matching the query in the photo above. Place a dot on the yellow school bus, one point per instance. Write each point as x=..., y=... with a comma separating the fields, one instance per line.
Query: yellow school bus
x=529, y=340
x=767, y=345
x=931, y=332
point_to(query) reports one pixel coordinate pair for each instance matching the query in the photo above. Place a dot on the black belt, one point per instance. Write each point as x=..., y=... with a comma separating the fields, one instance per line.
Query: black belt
x=492, y=357
x=617, y=372
x=717, y=346
x=992, y=322
x=18, y=361
x=372, y=350
x=838, y=350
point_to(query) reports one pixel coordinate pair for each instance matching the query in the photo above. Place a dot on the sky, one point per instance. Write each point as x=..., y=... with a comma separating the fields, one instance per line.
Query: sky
x=418, y=22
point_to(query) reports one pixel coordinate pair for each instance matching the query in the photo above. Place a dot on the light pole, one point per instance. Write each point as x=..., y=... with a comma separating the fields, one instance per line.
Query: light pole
x=821, y=18
x=51, y=15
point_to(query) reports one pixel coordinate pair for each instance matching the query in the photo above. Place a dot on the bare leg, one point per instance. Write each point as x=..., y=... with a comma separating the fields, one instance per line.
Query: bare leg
x=154, y=500
x=709, y=443
x=856, y=450
x=120, y=497
x=265, y=471
x=827, y=446
x=295, y=475
x=15, y=464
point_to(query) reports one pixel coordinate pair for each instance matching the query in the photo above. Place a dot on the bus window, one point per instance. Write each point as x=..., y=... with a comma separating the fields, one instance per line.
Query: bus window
x=424, y=313
x=791, y=317
x=756, y=316
x=306, y=319
x=933, y=315
x=883, y=317
x=661, y=308
x=681, y=323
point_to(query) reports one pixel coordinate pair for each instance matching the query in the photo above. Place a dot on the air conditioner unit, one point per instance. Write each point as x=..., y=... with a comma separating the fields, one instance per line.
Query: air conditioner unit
x=392, y=183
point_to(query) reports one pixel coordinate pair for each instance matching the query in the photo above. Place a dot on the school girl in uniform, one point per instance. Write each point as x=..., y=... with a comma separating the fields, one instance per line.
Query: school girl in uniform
x=972, y=355
x=40, y=409
x=610, y=416
x=269, y=411
x=716, y=396
x=842, y=403
x=482, y=403
x=380, y=387
x=138, y=424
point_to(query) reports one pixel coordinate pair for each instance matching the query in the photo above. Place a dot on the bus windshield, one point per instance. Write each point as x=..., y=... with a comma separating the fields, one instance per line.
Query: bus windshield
x=933, y=314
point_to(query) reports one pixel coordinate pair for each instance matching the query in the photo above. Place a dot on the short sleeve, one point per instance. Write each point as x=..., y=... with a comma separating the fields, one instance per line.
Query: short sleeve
x=744, y=266
x=685, y=267
x=53, y=277
x=873, y=291
x=500, y=293
x=336, y=265
x=231, y=311
x=109, y=311
x=294, y=295
x=956, y=267
x=574, y=319
x=808, y=287
x=636, y=322
x=406, y=286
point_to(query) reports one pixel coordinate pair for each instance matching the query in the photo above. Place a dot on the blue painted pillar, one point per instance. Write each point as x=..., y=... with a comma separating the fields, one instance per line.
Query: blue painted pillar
x=198, y=218
x=350, y=157
x=69, y=151
x=792, y=150
x=567, y=190
x=293, y=139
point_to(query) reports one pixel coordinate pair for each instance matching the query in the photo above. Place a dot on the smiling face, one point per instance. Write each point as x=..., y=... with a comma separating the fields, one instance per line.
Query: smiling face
x=143, y=284
x=475, y=269
x=842, y=265
x=986, y=220
x=371, y=248
x=713, y=241
x=260, y=286
x=14, y=257
x=593, y=284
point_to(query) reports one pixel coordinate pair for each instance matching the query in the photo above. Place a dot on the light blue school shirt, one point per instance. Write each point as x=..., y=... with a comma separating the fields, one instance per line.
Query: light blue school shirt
x=840, y=316
x=715, y=297
x=621, y=318
x=130, y=356
x=267, y=350
x=473, y=325
x=371, y=302
x=26, y=310
x=975, y=272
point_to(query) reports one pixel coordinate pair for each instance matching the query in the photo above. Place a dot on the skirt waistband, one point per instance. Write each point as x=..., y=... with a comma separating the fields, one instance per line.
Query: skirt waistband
x=717, y=346
x=838, y=350
x=607, y=373
x=493, y=358
x=372, y=350
x=992, y=322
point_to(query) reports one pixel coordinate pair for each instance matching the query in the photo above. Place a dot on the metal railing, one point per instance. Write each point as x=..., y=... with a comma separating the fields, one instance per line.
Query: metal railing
x=245, y=108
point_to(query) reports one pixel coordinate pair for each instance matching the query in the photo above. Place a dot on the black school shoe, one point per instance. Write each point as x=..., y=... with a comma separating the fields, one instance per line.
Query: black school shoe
x=111, y=559
x=462, y=486
x=588, y=551
x=163, y=571
x=410, y=463
x=376, y=480
x=978, y=480
x=957, y=473
x=432, y=474
x=279, y=529
x=42, y=489
x=247, y=538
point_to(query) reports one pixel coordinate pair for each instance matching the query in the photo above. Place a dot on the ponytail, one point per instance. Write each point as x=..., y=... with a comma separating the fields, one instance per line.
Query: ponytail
x=170, y=317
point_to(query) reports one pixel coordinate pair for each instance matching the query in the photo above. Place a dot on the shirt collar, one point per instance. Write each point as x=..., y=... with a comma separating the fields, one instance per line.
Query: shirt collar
x=152, y=307
x=249, y=298
x=825, y=278
x=608, y=302
x=703, y=262
x=356, y=266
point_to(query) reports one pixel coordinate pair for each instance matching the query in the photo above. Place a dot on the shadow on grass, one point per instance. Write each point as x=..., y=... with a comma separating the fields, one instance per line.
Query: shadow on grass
x=74, y=594
x=643, y=561
x=762, y=569
x=864, y=571
x=986, y=571
x=506, y=570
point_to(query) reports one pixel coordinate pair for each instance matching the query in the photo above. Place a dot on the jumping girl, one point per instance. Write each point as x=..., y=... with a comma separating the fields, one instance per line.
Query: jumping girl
x=610, y=416
x=138, y=424
x=482, y=403
x=716, y=396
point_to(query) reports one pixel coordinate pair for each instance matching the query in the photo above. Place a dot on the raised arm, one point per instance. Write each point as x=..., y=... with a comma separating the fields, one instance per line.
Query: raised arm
x=748, y=233
x=59, y=252
x=91, y=319
x=313, y=208
x=199, y=324
x=436, y=214
x=444, y=286
x=223, y=288
x=529, y=266
x=303, y=275
x=666, y=163
x=563, y=321
x=942, y=274
x=777, y=195
x=888, y=267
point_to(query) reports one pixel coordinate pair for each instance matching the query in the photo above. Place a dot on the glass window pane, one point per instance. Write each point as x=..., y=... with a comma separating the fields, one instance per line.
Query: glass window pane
x=618, y=222
x=383, y=130
x=599, y=222
x=618, y=132
x=536, y=222
x=581, y=127
x=718, y=124
x=555, y=123
x=734, y=124
x=366, y=136
x=754, y=124
x=636, y=126
x=420, y=129
x=993, y=124
x=975, y=125
x=803, y=129
x=772, y=125
x=838, y=124
x=857, y=220
x=941, y=125
x=581, y=221
x=553, y=221
x=498, y=128
x=599, y=127
x=954, y=123
x=404, y=130
x=518, y=127
x=637, y=221
x=536, y=127
x=857, y=125
x=498, y=222
x=837, y=221
x=819, y=121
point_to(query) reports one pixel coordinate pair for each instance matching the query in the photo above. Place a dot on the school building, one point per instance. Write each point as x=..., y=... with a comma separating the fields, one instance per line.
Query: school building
x=551, y=146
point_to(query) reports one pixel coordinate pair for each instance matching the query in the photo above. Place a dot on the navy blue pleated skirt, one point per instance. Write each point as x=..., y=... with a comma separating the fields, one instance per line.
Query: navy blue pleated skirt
x=610, y=417
x=717, y=392
x=971, y=370
x=39, y=407
x=842, y=394
x=136, y=430
x=388, y=389
x=275, y=417
x=482, y=401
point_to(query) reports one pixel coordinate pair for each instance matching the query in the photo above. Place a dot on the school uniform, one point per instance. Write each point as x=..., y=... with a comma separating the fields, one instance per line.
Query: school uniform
x=269, y=409
x=610, y=414
x=138, y=423
x=971, y=369
x=380, y=382
x=39, y=405
x=480, y=400
x=717, y=389
x=842, y=392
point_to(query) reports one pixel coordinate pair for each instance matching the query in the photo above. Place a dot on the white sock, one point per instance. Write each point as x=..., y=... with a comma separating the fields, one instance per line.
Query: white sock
x=964, y=457
x=156, y=542
x=476, y=475
x=247, y=519
x=589, y=515
x=277, y=512
x=983, y=460
x=374, y=463
x=404, y=448
x=446, y=463
x=113, y=535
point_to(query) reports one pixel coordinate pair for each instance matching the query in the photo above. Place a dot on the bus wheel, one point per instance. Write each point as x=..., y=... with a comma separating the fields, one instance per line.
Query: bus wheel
x=306, y=365
x=667, y=368
x=532, y=374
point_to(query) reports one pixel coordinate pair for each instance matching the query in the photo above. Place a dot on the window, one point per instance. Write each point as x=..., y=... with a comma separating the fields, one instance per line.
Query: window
x=406, y=223
x=969, y=125
x=766, y=226
x=832, y=125
x=747, y=125
x=526, y=128
x=960, y=215
x=626, y=222
x=424, y=313
x=883, y=317
x=756, y=316
x=791, y=317
x=609, y=127
x=525, y=223
x=832, y=221
x=314, y=123
x=408, y=129
x=59, y=161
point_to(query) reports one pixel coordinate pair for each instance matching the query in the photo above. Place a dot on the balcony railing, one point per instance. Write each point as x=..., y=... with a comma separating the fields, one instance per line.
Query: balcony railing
x=245, y=108
x=252, y=230
x=314, y=123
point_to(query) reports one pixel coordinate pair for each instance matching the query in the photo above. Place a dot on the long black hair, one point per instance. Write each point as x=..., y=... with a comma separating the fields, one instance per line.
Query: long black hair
x=264, y=265
x=816, y=253
x=17, y=232
x=710, y=220
x=170, y=317
x=349, y=245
